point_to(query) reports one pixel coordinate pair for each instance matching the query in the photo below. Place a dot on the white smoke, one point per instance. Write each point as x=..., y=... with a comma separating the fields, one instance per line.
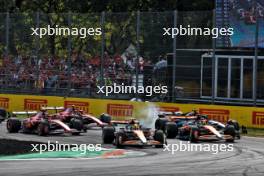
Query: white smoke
x=149, y=114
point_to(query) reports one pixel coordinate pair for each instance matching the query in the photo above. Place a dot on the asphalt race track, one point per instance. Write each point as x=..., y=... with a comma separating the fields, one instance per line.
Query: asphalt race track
x=246, y=159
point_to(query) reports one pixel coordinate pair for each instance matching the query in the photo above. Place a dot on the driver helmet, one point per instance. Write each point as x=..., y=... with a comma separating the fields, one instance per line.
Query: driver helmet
x=133, y=124
x=44, y=113
x=73, y=107
x=204, y=121
x=132, y=121
x=230, y=122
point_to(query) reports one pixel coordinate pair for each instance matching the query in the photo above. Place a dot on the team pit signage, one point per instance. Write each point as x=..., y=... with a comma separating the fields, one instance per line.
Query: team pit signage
x=221, y=115
x=257, y=118
x=4, y=102
x=34, y=104
x=83, y=106
x=120, y=110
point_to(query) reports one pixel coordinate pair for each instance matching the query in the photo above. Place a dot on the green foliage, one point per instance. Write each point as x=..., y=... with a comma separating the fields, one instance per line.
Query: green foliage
x=120, y=28
x=88, y=6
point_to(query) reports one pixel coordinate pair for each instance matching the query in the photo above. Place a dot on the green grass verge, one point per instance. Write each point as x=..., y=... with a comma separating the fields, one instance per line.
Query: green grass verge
x=55, y=154
x=255, y=132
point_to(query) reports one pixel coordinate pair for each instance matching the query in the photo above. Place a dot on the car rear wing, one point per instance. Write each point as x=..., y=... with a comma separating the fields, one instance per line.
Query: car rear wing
x=165, y=113
x=56, y=108
x=116, y=122
x=24, y=112
x=122, y=122
x=52, y=108
x=183, y=117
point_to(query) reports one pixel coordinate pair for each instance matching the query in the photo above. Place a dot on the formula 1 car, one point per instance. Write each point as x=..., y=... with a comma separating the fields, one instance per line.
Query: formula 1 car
x=171, y=123
x=38, y=122
x=204, y=130
x=3, y=115
x=78, y=119
x=71, y=117
x=131, y=133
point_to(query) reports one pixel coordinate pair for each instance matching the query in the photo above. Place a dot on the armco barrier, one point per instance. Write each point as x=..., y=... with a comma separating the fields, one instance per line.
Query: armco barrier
x=119, y=109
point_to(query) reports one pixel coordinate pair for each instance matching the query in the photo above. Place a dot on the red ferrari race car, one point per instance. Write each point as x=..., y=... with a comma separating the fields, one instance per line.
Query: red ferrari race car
x=38, y=122
x=131, y=133
x=78, y=119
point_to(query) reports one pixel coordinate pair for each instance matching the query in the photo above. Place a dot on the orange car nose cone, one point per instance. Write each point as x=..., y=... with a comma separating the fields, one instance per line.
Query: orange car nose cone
x=140, y=135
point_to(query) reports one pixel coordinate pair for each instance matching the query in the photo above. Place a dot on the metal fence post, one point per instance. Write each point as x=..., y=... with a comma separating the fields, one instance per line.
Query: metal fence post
x=7, y=34
x=138, y=51
x=213, y=62
x=255, y=62
x=102, y=51
x=37, y=53
x=69, y=55
x=174, y=58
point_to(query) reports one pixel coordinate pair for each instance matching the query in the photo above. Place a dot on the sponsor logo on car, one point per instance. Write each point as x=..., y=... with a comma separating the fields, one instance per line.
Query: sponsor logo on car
x=34, y=104
x=4, y=102
x=221, y=115
x=83, y=106
x=257, y=118
x=169, y=109
x=120, y=110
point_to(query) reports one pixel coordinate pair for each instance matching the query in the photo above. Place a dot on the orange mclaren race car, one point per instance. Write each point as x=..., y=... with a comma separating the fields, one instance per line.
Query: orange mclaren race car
x=38, y=122
x=207, y=130
x=178, y=123
x=131, y=133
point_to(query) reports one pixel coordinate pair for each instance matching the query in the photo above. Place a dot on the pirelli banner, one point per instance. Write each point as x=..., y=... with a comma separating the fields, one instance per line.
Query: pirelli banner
x=118, y=109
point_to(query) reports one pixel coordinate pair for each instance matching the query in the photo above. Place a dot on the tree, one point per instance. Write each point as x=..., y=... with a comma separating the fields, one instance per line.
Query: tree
x=120, y=27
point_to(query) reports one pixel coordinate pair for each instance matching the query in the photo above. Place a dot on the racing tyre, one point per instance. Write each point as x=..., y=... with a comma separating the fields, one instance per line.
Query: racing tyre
x=157, y=124
x=235, y=124
x=171, y=130
x=160, y=124
x=160, y=137
x=119, y=140
x=230, y=130
x=76, y=124
x=108, y=134
x=2, y=119
x=237, y=129
x=24, y=128
x=105, y=118
x=238, y=136
x=194, y=135
x=2, y=114
x=43, y=128
x=13, y=125
x=85, y=129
